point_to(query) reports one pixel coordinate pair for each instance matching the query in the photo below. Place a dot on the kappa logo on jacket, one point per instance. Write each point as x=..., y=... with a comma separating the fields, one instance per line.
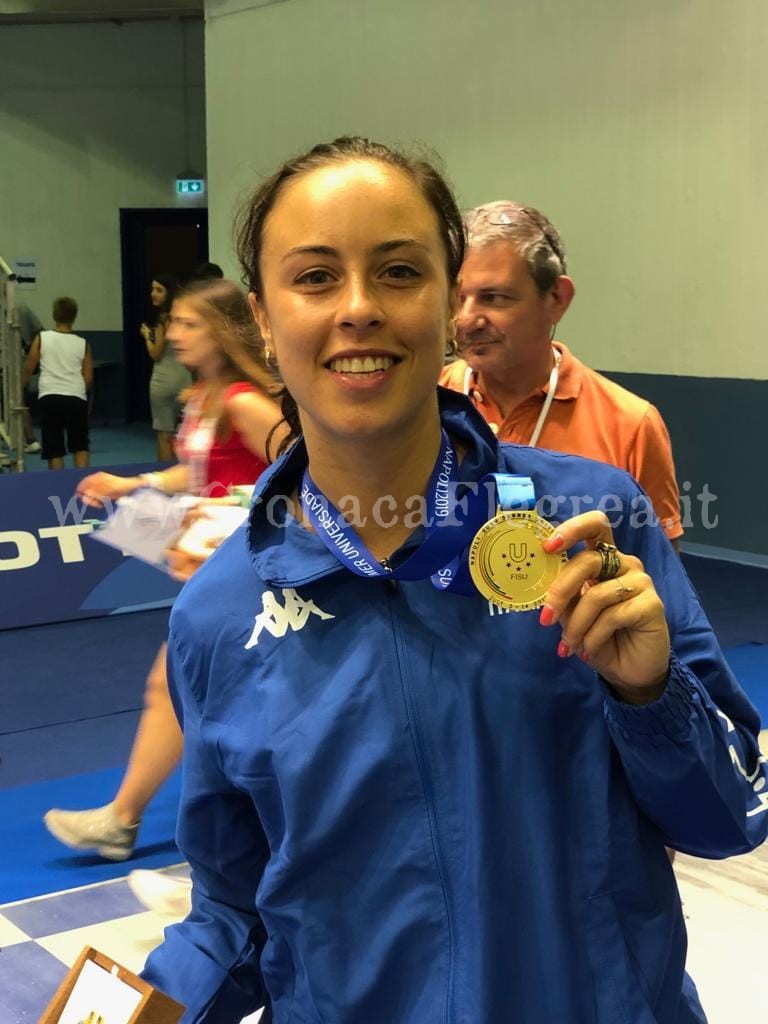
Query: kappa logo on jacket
x=277, y=619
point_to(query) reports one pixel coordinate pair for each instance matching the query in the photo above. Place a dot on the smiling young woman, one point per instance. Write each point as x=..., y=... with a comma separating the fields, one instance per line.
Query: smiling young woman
x=400, y=804
x=357, y=314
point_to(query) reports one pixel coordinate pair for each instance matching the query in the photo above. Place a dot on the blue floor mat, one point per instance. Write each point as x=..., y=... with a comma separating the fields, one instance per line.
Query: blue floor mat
x=66, y=749
x=74, y=670
x=32, y=862
x=71, y=694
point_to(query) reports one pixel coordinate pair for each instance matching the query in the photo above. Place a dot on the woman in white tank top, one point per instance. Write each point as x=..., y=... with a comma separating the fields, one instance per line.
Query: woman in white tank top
x=66, y=373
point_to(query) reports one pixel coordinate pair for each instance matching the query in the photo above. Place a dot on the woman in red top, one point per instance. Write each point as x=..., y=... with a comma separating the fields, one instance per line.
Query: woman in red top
x=223, y=441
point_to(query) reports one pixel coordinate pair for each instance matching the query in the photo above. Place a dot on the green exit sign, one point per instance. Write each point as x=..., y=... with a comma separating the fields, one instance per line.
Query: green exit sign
x=190, y=186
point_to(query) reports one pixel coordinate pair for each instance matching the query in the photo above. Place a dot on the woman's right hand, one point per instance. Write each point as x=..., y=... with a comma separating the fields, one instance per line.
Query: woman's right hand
x=96, y=488
x=146, y=333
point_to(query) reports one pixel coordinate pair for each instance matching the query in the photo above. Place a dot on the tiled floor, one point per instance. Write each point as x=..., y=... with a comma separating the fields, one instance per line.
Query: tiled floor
x=726, y=903
x=41, y=938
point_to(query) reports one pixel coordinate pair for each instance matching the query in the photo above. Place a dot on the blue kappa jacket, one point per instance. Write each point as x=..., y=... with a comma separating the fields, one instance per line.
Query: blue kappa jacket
x=401, y=807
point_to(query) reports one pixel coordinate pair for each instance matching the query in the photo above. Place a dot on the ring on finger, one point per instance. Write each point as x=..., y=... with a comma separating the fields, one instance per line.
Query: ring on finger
x=611, y=561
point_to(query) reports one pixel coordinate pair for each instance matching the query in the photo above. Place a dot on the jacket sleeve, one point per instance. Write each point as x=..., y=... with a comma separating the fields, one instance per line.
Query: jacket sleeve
x=210, y=961
x=691, y=758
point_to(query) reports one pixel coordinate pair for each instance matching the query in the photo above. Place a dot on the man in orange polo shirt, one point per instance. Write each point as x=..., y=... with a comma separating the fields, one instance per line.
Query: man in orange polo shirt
x=531, y=389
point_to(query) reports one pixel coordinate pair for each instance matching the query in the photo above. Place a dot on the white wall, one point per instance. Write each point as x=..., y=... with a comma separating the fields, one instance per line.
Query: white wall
x=641, y=130
x=91, y=120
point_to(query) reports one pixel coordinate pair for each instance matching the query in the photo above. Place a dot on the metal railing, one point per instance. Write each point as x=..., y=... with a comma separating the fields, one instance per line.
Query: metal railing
x=11, y=357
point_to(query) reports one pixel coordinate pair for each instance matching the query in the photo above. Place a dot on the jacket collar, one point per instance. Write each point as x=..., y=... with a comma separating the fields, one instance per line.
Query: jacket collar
x=288, y=555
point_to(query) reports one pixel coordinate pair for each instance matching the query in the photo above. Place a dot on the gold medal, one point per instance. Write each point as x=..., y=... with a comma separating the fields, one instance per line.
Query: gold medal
x=508, y=564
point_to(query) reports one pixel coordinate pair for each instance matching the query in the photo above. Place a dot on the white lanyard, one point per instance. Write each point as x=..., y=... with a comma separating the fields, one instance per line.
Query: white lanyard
x=553, y=379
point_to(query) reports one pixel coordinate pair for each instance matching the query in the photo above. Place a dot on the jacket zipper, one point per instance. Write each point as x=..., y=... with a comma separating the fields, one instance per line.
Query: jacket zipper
x=426, y=787
x=389, y=584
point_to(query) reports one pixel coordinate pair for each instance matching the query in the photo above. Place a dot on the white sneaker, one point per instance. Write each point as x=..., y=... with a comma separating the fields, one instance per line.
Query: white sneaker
x=32, y=448
x=97, y=829
x=165, y=894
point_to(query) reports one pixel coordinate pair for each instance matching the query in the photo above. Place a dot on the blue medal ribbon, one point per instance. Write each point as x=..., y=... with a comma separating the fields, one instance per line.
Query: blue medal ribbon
x=454, y=513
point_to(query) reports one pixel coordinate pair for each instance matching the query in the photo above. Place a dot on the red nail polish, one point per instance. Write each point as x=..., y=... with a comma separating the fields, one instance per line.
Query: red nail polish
x=553, y=543
x=563, y=650
x=547, y=616
x=584, y=657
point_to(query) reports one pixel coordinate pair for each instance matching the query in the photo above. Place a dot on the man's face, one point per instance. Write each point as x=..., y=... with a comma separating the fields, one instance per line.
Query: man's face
x=503, y=321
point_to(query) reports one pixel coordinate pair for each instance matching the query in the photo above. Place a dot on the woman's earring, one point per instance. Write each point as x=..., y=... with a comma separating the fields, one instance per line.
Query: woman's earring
x=269, y=356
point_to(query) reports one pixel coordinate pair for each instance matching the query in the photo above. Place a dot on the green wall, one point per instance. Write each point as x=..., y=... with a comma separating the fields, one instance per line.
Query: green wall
x=641, y=130
x=93, y=117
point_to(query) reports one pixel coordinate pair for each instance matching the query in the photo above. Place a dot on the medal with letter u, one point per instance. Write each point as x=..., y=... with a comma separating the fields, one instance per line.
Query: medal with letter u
x=507, y=562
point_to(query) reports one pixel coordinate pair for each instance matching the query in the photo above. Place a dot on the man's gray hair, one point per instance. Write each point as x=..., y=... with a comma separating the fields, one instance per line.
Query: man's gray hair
x=533, y=235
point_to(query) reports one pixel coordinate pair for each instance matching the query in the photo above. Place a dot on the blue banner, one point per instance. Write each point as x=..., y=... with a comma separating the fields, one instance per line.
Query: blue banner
x=51, y=570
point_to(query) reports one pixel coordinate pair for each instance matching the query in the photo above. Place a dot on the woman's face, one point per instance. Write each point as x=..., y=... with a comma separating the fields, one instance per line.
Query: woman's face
x=193, y=343
x=158, y=293
x=355, y=300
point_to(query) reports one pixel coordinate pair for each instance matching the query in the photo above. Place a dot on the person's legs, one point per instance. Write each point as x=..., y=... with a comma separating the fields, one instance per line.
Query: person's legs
x=29, y=431
x=162, y=400
x=157, y=747
x=52, y=430
x=78, y=440
x=164, y=446
x=31, y=444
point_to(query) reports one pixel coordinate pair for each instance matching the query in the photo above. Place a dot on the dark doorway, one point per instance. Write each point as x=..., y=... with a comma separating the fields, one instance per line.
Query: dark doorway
x=152, y=242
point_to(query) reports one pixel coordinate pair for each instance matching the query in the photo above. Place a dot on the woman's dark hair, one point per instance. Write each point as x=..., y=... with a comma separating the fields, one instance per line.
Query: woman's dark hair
x=171, y=285
x=253, y=216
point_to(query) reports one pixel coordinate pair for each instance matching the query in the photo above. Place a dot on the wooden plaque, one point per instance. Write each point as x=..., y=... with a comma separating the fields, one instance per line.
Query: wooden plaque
x=155, y=1007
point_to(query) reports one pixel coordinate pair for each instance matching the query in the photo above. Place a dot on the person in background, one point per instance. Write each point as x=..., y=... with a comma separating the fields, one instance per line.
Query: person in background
x=531, y=389
x=169, y=377
x=66, y=373
x=30, y=326
x=205, y=272
x=399, y=805
x=223, y=441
